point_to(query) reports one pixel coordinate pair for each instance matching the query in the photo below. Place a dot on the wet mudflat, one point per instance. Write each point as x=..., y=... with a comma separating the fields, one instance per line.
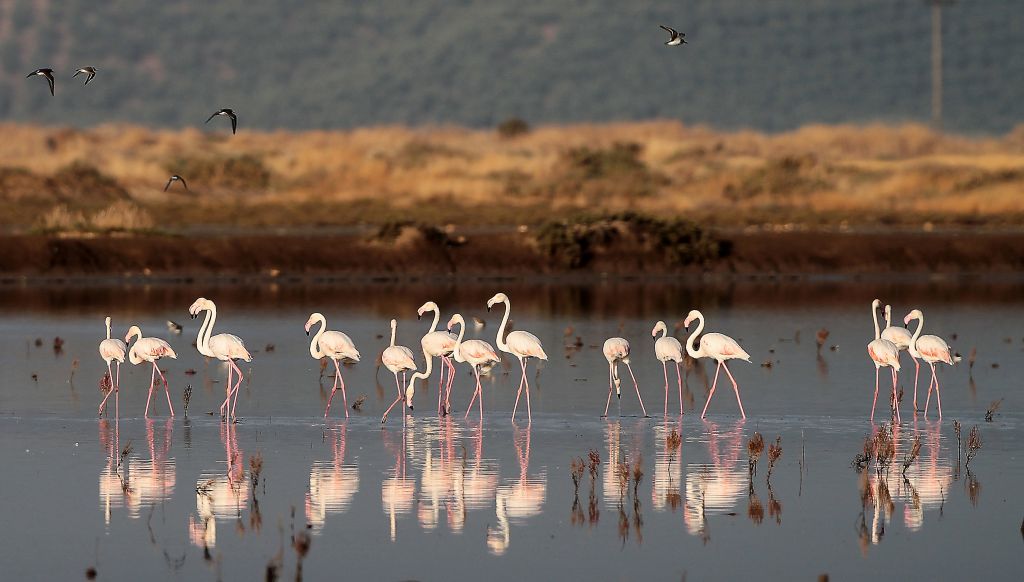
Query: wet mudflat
x=452, y=498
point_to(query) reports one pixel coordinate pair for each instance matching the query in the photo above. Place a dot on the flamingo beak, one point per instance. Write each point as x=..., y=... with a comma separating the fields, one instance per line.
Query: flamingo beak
x=488, y=308
x=307, y=333
x=419, y=316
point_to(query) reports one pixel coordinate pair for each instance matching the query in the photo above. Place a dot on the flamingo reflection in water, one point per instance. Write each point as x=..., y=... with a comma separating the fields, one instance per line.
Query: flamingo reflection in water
x=138, y=482
x=398, y=491
x=715, y=488
x=220, y=496
x=618, y=452
x=332, y=485
x=518, y=500
x=668, y=469
x=440, y=476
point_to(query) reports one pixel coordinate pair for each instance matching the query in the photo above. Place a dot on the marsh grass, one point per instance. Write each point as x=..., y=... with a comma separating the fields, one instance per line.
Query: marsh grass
x=974, y=443
x=774, y=454
x=992, y=409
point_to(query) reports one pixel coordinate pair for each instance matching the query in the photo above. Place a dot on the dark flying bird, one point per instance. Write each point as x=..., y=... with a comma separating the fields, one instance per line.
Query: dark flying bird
x=676, y=38
x=89, y=73
x=48, y=73
x=229, y=113
x=176, y=178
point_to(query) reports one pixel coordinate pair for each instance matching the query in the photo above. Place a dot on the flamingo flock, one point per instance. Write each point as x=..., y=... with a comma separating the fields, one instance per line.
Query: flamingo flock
x=451, y=348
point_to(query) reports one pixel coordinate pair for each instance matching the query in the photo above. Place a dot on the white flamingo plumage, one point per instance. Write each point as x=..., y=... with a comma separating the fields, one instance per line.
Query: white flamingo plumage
x=901, y=338
x=883, y=353
x=112, y=350
x=668, y=349
x=398, y=359
x=150, y=349
x=476, y=353
x=223, y=346
x=717, y=347
x=931, y=349
x=616, y=349
x=521, y=344
x=334, y=345
x=437, y=344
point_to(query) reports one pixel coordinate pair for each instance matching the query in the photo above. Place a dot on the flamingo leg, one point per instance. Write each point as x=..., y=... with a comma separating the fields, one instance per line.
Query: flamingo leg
x=712, y=392
x=735, y=388
x=440, y=385
x=334, y=388
x=679, y=379
x=448, y=388
x=928, y=399
x=227, y=390
x=637, y=386
x=609, y=400
x=917, y=370
x=895, y=397
x=874, y=402
x=111, y=376
x=152, y=382
x=341, y=383
x=480, y=391
x=476, y=390
x=397, y=400
x=938, y=396
x=522, y=379
x=529, y=409
x=664, y=369
x=117, y=395
x=167, y=390
x=238, y=385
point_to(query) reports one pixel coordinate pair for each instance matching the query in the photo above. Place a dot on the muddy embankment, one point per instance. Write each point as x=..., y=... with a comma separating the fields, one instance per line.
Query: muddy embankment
x=512, y=254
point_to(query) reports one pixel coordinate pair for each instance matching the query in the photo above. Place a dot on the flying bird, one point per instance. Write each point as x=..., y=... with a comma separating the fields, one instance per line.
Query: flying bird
x=176, y=178
x=89, y=73
x=229, y=113
x=174, y=327
x=48, y=73
x=677, y=38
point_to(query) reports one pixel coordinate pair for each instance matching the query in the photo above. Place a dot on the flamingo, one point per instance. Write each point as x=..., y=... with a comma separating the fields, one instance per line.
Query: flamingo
x=150, y=349
x=616, y=349
x=717, y=347
x=398, y=359
x=223, y=346
x=521, y=344
x=476, y=353
x=334, y=345
x=110, y=350
x=883, y=353
x=900, y=337
x=668, y=349
x=931, y=349
x=439, y=344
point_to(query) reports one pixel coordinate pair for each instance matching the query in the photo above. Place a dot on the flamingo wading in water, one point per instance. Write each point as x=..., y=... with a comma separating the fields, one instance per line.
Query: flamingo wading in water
x=901, y=338
x=931, y=349
x=223, y=346
x=717, y=347
x=150, y=349
x=521, y=344
x=398, y=359
x=334, y=345
x=110, y=350
x=668, y=349
x=616, y=349
x=437, y=344
x=883, y=353
x=476, y=353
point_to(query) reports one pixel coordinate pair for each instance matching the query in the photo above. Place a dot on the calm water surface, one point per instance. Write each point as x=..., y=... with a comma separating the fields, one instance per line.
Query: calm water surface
x=447, y=498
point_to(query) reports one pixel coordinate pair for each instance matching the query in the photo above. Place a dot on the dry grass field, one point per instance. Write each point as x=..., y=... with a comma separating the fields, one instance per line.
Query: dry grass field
x=111, y=177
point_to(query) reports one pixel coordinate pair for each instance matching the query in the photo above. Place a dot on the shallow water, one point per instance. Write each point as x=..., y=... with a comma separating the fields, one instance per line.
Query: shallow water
x=449, y=498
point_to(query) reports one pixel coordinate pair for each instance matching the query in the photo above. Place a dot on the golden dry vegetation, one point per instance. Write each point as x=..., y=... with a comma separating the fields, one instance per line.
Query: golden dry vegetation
x=112, y=177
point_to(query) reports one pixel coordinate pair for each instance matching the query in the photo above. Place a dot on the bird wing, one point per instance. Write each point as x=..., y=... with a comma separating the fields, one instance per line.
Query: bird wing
x=49, y=81
x=77, y=73
x=234, y=122
x=670, y=30
x=183, y=182
x=212, y=116
x=168, y=184
x=89, y=78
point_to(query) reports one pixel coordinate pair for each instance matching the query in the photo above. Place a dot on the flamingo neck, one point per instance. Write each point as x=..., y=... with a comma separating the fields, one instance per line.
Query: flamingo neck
x=458, y=341
x=501, y=329
x=693, y=337
x=437, y=319
x=393, y=327
x=912, y=348
x=426, y=371
x=203, y=341
x=314, y=344
x=874, y=318
x=664, y=332
x=107, y=321
x=888, y=316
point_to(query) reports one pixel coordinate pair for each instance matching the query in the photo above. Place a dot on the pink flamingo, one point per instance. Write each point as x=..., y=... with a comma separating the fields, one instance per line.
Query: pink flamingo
x=931, y=349
x=437, y=344
x=334, y=345
x=883, y=353
x=398, y=359
x=223, y=346
x=521, y=344
x=900, y=337
x=668, y=349
x=717, y=347
x=110, y=350
x=476, y=353
x=616, y=349
x=150, y=349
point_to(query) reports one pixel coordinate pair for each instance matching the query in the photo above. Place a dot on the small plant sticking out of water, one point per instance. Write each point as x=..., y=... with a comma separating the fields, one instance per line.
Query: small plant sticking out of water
x=992, y=408
x=959, y=444
x=595, y=463
x=638, y=473
x=90, y=573
x=915, y=450
x=622, y=474
x=300, y=543
x=576, y=468
x=885, y=448
x=755, y=511
x=74, y=368
x=774, y=453
x=821, y=338
x=973, y=445
x=358, y=404
x=863, y=459
x=105, y=384
x=127, y=450
x=973, y=489
x=186, y=397
x=971, y=358
x=58, y=346
x=255, y=469
x=673, y=441
x=755, y=446
x=269, y=348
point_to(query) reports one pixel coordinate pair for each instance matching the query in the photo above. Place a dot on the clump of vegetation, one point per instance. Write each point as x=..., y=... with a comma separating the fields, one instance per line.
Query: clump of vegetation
x=513, y=127
x=638, y=472
x=673, y=440
x=594, y=464
x=959, y=442
x=409, y=232
x=575, y=243
x=755, y=446
x=255, y=470
x=915, y=450
x=417, y=153
x=186, y=398
x=600, y=172
x=973, y=445
x=576, y=468
x=121, y=216
x=884, y=448
x=244, y=172
x=863, y=459
x=62, y=219
x=80, y=180
x=785, y=176
x=774, y=453
x=992, y=408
